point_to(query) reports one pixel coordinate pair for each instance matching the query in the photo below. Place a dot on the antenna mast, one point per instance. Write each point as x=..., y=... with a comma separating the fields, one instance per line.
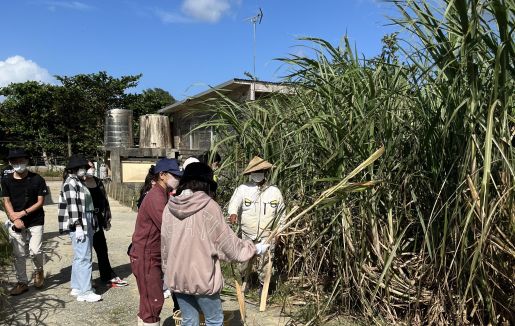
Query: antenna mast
x=255, y=20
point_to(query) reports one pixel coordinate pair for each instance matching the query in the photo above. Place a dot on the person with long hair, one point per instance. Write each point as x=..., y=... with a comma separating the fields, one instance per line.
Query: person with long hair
x=76, y=216
x=147, y=185
x=194, y=239
x=145, y=252
x=103, y=215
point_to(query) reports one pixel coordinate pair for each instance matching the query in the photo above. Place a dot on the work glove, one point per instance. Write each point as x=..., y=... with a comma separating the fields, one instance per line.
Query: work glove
x=79, y=233
x=108, y=226
x=261, y=248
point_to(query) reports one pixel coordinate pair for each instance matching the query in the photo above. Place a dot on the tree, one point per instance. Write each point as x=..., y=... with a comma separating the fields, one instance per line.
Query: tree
x=67, y=118
x=29, y=119
x=83, y=102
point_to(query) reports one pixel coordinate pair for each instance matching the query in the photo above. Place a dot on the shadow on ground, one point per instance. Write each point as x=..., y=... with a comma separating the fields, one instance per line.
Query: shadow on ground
x=30, y=309
x=123, y=271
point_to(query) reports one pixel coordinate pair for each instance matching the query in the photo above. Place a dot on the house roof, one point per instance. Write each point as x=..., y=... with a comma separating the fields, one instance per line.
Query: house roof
x=229, y=86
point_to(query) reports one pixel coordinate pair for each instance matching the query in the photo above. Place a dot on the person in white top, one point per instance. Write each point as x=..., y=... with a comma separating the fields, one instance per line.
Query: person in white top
x=257, y=207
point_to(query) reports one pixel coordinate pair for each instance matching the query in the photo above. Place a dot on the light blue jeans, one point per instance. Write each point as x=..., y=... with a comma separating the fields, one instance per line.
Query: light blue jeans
x=210, y=305
x=82, y=259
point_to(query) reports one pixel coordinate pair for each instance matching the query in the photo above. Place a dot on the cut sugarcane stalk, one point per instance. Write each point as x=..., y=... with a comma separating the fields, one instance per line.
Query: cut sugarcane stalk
x=266, y=283
x=241, y=300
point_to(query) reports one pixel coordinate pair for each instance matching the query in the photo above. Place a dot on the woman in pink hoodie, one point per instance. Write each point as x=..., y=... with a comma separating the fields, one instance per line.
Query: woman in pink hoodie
x=194, y=238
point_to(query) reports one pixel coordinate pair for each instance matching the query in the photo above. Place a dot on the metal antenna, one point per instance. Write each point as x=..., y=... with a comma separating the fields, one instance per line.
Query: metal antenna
x=255, y=20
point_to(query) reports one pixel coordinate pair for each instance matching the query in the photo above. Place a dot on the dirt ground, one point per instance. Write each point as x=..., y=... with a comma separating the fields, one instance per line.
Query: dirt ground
x=52, y=305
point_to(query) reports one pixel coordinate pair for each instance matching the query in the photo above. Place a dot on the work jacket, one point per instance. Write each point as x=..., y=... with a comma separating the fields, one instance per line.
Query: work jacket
x=259, y=208
x=147, y=231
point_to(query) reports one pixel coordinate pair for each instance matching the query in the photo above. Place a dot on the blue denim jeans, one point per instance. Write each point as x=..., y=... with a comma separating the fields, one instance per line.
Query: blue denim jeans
x=82, y=263
x=210, y=305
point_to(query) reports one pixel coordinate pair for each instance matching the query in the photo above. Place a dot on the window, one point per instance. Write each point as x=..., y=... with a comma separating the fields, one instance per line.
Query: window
x=194, y=137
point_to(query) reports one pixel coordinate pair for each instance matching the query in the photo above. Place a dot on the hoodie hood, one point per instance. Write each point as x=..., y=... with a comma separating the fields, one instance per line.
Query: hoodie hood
x=185, y=205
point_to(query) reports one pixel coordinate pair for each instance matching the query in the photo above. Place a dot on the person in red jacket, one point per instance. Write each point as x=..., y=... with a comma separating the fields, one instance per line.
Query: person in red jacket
x=145, y=253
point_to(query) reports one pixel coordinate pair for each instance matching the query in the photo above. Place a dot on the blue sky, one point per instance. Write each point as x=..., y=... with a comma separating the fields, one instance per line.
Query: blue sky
x=182, y=45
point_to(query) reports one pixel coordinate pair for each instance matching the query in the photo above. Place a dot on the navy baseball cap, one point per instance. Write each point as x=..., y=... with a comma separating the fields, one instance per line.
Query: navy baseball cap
x=170, y=165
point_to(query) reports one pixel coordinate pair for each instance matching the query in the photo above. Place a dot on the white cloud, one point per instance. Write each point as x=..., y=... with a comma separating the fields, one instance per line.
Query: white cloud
x=17, y=69
x=74, y=5
x=206, y=10
x=171, y=17
x=210, y=11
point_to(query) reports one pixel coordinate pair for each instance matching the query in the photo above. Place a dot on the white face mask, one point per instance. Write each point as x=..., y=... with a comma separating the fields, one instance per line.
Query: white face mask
x=90, y=172
x=257, y=177
x=172, y=182
x=20, y=168
x=81, y=173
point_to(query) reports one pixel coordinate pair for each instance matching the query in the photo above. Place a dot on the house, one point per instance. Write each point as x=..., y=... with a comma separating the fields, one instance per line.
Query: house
x=186, y=115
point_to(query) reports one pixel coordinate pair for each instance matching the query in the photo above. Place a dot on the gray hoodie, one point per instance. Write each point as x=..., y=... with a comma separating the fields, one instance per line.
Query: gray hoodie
x=194, y=237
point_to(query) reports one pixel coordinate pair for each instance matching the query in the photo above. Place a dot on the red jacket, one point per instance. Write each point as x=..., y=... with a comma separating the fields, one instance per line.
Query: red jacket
x=147, y=232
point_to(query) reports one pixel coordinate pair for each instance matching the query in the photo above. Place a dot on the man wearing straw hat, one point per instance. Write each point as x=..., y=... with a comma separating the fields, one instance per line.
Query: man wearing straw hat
x=257, y=207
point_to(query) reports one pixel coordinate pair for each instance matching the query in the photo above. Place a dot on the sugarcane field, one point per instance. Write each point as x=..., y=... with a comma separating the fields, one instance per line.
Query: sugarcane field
x=257, y=163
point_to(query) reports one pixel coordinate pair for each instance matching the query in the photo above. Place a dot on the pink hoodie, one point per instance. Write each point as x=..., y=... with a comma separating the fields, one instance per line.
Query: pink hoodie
x=194, y=237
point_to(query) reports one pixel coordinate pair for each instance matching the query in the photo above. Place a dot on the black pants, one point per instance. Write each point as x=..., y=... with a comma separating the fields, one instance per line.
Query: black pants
x=104, y=266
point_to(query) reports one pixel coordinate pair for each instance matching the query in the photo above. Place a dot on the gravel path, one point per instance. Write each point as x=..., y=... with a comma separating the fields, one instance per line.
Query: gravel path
x=53, y=305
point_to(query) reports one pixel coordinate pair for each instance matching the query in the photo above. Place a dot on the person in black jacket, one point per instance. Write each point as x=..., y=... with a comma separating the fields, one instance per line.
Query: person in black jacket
x=103, y=215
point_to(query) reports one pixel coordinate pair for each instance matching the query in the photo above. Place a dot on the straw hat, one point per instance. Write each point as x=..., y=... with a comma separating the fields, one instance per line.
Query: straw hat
x=257, y=164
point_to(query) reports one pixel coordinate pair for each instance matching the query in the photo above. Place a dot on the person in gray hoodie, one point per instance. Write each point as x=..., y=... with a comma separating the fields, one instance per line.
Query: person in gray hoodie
x=194, y=238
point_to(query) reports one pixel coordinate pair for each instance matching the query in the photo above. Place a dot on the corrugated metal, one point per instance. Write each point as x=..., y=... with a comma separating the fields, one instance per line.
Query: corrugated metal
x=118, y=128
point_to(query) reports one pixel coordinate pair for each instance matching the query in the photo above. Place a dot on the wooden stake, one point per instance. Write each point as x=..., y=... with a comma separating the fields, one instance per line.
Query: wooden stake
x=266, y=284
x=241, y=300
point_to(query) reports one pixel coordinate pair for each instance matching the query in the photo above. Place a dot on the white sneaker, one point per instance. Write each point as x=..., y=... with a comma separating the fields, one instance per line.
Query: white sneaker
x=166, y=293
x=89, y=297
x=75, y=292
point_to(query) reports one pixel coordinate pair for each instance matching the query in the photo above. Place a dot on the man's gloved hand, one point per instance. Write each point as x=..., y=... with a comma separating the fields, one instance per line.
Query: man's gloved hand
x=261, y=248
x=79, y=233
x=108, y=226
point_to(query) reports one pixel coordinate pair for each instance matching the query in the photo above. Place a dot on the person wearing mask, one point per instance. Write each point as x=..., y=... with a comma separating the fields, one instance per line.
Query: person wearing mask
x=23, y=195
x=147, y=185
x=102, y=214
x=76, y=216
x=195, y=238
x=145, y=251
x=257, y=207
